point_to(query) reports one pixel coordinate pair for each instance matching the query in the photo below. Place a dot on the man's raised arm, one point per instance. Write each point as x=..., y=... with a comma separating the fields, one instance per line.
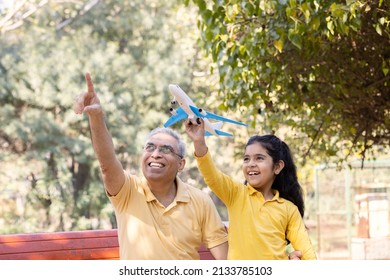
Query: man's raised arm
x=111, y=168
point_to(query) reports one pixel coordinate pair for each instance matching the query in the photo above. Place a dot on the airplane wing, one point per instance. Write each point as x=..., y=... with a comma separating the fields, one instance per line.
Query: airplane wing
x=214, y=116
x=180, y=115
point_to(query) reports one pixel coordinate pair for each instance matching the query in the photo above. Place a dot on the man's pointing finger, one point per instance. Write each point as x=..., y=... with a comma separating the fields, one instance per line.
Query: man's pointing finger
x=91, y=90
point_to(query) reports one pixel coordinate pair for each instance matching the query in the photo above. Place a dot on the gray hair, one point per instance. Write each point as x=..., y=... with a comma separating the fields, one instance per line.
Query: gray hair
x=174, y=134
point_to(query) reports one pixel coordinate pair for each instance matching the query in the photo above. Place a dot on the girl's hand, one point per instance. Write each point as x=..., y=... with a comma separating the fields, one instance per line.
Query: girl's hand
x=196, y=132
x=195, y=129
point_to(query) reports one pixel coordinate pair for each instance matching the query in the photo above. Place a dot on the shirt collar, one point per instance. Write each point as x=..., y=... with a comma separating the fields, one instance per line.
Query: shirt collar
x=182, y=194
x=276, y=197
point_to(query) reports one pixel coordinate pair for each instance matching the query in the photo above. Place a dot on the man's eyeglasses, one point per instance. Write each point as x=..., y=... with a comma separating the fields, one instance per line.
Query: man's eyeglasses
x=165, y=149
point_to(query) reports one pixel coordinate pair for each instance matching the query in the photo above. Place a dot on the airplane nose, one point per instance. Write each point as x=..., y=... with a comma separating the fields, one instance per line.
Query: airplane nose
x=172, y=87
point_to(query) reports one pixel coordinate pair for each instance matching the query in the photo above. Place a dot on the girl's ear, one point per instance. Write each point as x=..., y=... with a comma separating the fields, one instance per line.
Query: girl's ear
x=278, y=167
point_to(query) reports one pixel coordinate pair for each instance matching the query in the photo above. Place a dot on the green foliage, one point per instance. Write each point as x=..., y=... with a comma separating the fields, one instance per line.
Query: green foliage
x=315, y=72
x=49, y=178
x=319, y=68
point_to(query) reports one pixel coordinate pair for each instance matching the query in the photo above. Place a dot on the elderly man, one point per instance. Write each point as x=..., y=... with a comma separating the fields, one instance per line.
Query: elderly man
x=159, y=216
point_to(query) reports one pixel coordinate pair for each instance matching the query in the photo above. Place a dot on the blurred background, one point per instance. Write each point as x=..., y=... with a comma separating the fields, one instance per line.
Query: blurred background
x=315, y=74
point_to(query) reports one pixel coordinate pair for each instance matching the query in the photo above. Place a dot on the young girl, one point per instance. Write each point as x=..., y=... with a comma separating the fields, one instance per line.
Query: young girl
x=266, y=212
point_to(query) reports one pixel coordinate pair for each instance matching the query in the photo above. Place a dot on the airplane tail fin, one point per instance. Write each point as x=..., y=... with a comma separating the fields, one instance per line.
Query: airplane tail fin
x=222, y=133
x=217, y=125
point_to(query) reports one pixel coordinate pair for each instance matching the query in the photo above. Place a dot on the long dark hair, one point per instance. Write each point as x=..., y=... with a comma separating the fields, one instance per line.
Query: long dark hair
x=286, y=182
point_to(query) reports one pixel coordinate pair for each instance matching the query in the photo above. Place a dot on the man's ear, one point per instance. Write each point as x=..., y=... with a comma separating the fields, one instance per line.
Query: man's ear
x=278, y=167
x=182, y=163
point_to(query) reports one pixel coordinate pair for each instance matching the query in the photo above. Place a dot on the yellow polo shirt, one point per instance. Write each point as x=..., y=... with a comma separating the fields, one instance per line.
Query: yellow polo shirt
x=149, y=231
x=257, y=228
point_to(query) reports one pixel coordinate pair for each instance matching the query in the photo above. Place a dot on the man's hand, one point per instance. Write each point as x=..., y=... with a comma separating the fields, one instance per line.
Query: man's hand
x=88, y=102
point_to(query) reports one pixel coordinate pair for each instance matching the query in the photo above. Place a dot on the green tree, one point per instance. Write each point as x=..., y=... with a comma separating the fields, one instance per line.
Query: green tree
x=133, y=50
x=318, y=69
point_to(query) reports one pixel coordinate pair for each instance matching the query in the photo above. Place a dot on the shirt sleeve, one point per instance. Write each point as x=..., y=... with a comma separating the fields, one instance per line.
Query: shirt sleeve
x=121, y=200
x=221, y=184
x=299, y=236
x=214, y=232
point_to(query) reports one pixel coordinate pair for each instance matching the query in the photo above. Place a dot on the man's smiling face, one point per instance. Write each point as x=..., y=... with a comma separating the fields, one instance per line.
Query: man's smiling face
x=157, y=165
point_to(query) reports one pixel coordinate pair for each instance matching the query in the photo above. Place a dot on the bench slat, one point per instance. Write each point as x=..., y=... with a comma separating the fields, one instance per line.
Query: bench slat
x=81, y=254
x=57, y=235
x=73, y=245
x=59, y=245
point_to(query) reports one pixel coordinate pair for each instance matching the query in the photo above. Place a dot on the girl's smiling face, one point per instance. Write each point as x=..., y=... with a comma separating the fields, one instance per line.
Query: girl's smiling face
x=258, y=167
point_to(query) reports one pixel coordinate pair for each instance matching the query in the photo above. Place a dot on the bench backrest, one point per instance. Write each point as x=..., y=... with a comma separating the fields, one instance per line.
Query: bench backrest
x=72, y=245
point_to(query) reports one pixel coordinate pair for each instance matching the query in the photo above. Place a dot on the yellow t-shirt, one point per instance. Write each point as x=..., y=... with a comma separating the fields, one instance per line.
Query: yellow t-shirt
x=257, y=228
x=149, y=231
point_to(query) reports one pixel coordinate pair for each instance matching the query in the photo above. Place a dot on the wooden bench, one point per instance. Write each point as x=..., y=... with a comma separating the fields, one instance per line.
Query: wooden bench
x=72, y=245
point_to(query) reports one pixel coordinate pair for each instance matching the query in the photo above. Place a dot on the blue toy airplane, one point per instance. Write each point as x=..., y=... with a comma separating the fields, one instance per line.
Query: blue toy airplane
x=188, y=109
